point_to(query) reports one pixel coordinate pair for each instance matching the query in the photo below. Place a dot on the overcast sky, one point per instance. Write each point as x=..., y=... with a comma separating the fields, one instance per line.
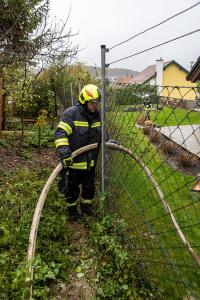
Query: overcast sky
x=108, y=22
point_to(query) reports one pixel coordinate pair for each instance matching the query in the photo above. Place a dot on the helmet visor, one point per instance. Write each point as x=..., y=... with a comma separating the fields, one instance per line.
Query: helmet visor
x=95, y=101
x=93, y=106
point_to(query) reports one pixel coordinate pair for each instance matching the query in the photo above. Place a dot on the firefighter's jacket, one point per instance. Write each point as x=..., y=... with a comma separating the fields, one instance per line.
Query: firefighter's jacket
x=76, y=129
x=147, y=105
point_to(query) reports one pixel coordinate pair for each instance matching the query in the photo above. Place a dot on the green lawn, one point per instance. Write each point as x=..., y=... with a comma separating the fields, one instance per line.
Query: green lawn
x=171, y=117
x=166, y=116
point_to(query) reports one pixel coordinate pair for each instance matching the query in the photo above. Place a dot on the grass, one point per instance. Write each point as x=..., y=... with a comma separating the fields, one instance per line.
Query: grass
x=174, y=117
x=140, y=205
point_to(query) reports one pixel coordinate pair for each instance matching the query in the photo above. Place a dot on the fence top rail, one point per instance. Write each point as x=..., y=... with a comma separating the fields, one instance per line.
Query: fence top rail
x=154, y=86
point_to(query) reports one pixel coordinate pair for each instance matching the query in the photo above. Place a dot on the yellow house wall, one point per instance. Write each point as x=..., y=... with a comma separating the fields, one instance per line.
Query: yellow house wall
x=173, y=76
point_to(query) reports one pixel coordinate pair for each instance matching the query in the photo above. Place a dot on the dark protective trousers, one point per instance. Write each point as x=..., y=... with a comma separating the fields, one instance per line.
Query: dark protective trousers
x=75, y=179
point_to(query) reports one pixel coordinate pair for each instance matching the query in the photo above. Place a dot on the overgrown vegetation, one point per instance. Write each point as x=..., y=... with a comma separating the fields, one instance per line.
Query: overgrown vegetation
x=35, y=136
x=17, y=202
x=118, y=273
x=121, y=274
x=122, y=259
x=20, y=188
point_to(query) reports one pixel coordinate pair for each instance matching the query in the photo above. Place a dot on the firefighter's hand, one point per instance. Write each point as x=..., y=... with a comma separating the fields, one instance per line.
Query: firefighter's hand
x=67, y=162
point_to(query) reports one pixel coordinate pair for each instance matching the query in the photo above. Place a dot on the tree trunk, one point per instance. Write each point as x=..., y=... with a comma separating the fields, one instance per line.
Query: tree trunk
x=1, y=103
x=22, y=127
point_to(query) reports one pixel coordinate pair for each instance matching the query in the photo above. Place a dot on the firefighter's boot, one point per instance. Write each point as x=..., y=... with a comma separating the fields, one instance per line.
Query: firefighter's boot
x=73, y=213
x=86, y=208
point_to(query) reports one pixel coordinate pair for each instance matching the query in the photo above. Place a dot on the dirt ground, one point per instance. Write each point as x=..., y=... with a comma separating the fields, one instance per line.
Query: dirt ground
x=12, y=158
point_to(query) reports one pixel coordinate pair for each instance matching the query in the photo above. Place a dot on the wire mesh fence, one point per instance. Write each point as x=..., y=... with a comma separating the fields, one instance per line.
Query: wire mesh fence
x=150, y=181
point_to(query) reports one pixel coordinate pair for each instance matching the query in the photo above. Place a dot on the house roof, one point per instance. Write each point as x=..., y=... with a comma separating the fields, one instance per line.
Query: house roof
x=150, y=72
x=194, y=74
x=125, y=79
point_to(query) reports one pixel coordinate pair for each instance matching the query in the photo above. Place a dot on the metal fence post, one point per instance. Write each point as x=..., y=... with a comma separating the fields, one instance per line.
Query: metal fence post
x=71, y=91
x=64, y=95
x=79, y=86
x=103, y=100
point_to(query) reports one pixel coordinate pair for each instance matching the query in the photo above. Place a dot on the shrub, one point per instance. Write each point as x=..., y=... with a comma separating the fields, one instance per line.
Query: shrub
x=195, y=164
x=146, y=130
x=185, y=159
x=168, y=147
x=140, y=120
x=154, y=137
x=46, y=137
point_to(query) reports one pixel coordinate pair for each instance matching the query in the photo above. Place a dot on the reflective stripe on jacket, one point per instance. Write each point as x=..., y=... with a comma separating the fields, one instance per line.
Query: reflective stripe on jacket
x=77, y=129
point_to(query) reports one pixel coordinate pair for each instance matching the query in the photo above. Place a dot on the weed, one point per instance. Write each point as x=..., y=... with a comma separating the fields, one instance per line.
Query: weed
x=26, y=154
x=7, y=141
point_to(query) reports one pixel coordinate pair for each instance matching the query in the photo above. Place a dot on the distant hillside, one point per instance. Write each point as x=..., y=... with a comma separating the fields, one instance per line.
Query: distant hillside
x=112, y=72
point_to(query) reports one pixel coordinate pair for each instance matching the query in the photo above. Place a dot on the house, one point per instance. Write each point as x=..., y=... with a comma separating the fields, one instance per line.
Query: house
x=169, y=74
x=194, y=74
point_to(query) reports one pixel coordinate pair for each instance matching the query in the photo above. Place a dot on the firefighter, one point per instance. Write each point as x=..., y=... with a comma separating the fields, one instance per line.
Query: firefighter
x=147, y=106
x=79, y=126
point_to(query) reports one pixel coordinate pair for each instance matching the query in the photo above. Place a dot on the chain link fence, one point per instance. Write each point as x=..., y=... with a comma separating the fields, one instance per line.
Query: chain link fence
x=152, y=180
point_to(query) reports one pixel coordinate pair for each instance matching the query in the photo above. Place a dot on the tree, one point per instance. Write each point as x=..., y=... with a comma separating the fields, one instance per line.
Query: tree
x=27, y=39
x=57, y=79
x=19, y=21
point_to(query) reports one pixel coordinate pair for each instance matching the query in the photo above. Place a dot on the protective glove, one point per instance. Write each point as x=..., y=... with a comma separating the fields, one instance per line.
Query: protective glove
x=114, y=142
x=67, y=162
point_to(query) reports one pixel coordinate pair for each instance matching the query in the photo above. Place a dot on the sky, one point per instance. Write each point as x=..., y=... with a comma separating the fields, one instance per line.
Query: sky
x=108, y=22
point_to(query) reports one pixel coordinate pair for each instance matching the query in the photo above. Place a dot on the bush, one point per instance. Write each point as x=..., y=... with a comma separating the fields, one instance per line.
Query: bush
x=185, y=159
x=140, y=120
x=146, y=130
x=154, y=137
x=46, y=137
x=168, y=147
